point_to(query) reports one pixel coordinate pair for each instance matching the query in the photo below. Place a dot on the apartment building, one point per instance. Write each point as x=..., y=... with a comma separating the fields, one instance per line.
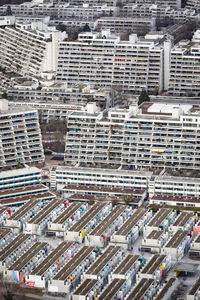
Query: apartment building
x=18, y=196
x=20, y=137
x=75, y=96
x=104, y=60
x=19, y=178
x=156, y=135
x=195, y=4
x=133, y=25
x=185, y=69
x=181, y=184
x=29, y=49
x=109, y=178
x=172, y=3
x=180, y=15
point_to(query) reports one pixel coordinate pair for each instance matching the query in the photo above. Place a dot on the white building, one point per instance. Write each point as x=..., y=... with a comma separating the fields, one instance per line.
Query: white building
x=19, y=178
x=154, y=135
x=194, y=4
x=104, y=60
x=98, y=177
x=30, y=49
x=20, y=137
x=185, y=68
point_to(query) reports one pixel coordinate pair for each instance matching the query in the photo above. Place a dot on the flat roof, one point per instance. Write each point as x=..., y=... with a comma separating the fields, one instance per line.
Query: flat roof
x=27, y=256
x=140, y=289
x=102, y=261
x=62, y=218
x=165, y=288
x=109, y=219
x=155, y=234
x=103, y=189
x=131, y=222
x=195, y=288
x=23, y=190
x=15, y=200
x=24, y=209
x=112, y=289
x=73, y=263
x=51, y=258
x=153, y=264
x=126, y=264
x=85, y=287
x=18, y=172
x=177, y=238
x=89, y=215
x=160, y=217
x=11, y=247
x=186, y=267
x=176, y=198
x=183, y=218
x=45, y=211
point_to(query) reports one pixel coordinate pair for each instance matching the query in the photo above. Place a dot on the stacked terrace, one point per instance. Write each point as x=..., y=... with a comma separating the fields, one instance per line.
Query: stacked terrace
x=72, y=265
x=126, y=265
x=27, y=256
x=176, y=239
x=112, y=289
x=107, y=226
x=110, y=255
x=21, y=242
x=140, y=289
x=60, y=222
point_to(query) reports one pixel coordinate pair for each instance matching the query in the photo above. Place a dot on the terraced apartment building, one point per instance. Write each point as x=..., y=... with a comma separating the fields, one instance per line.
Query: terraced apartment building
x=155, y=135
x=30, y=48
x=104, y=60
x=20, y=137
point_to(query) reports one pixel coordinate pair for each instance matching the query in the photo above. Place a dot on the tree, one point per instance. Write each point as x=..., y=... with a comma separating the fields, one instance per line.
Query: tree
x=127, y=199
x=8, y=11
x=86, y=28
x=61, y=27
x=4, y=95
x=144, y=97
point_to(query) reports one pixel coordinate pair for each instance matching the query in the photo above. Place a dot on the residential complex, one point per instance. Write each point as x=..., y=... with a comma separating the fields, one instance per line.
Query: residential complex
x=115, y=86
x=20, y=139
x=105, y=60
x=155, y=135
x=29, y=49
